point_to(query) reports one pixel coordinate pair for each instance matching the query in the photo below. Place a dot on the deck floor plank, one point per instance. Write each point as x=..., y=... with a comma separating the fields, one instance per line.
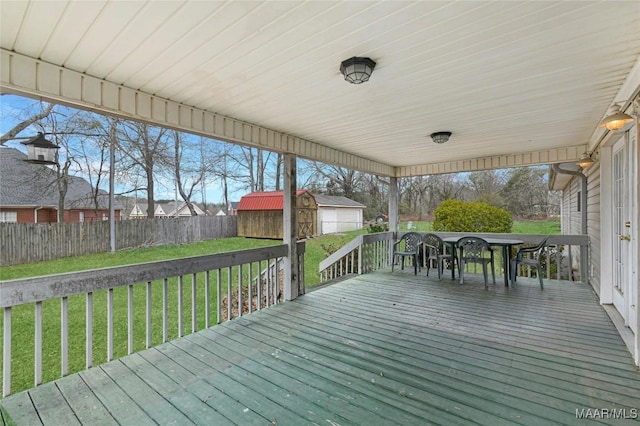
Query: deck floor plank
x=420, y=375
x=342, y=400
x=501, y=354
x=277, y=404
x=212, y=387
x=51, y=405
x=88, y=408
x=154, y=368
x=382, y=348
x=21, y=408
x=123, y=408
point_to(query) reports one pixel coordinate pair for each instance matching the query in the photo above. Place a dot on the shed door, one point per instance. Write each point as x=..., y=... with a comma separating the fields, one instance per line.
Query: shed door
x=621, y=233
x=329, y=221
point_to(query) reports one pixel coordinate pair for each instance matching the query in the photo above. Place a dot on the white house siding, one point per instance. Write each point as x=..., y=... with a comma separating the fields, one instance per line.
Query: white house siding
x=571, y=222
x=593, y=224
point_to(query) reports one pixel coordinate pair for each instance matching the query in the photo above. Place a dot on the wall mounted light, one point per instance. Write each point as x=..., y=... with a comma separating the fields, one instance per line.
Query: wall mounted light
x=616, y=120
x=440, y=137
x=357, y=70
x=585, y=161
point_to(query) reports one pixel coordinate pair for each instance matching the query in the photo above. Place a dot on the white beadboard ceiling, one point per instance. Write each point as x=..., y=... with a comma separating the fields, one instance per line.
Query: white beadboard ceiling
x=505, y=77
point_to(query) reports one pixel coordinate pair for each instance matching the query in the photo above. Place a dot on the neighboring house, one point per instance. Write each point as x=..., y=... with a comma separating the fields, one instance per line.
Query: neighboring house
x=232, y=210
x=221, y=213
x=603, y=202
x=164, y=210
x=260, y=214
x=338, y=214
x=28, y=194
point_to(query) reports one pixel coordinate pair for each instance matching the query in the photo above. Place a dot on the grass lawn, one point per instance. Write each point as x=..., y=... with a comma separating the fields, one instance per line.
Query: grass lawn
x=317, y=249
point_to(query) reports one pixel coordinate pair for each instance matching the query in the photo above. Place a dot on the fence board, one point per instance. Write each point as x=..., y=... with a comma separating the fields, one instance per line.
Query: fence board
x=35, y=242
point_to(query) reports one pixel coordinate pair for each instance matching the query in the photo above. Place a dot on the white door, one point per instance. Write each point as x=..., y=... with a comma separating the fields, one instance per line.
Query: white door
x=329, y=221
x=623, y=290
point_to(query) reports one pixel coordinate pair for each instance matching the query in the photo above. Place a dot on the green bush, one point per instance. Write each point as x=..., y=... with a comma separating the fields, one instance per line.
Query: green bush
x=460, y=216
x=378, y=227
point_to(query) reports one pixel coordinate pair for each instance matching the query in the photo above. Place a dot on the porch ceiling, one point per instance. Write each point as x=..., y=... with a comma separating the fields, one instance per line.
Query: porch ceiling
x=524, y=79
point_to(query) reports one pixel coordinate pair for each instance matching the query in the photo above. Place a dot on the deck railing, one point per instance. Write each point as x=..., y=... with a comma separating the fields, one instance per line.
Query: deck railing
x=365, y=253
x=165, y=296
x=565, y=257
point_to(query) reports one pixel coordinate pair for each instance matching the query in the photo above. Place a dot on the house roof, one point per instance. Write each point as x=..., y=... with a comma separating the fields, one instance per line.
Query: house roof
x=164, y=209
x=270, y=200
x=336, y=201
x=24, y=184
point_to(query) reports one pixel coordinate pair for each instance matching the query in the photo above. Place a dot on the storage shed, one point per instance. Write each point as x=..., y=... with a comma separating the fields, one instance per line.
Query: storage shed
x=338, y=214
x=260, y=214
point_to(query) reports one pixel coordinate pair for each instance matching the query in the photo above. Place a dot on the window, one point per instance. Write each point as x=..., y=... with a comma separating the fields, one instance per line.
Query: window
x=579, y=201
x=81, y=219
x=8, y=217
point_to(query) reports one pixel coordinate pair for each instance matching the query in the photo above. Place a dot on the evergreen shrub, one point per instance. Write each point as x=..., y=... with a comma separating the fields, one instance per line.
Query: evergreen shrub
x=461, y=216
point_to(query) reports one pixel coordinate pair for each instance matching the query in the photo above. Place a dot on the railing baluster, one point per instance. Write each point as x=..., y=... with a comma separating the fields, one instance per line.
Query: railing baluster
x=194, y=305
x=165, y=310
x=88, y=358
x=569, y=254
x=259, y=289
x=130, y=319
x=110, y=324
x=558, y=262
x=250, y=289
x=239, y=290
x=301, y=275
x=207, y=300
x=268, y=282
x=38, y=345
x=180, y=307
x=64, y=335
x=276, y=284
x=229, y=293
x=148, y=342
x=6, y=353
x=219, y=295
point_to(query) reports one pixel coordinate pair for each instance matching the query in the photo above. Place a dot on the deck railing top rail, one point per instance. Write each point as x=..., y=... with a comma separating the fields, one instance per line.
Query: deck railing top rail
x=36, y=289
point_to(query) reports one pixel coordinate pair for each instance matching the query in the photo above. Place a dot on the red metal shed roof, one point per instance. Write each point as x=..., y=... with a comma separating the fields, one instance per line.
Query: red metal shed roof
x=271, y=200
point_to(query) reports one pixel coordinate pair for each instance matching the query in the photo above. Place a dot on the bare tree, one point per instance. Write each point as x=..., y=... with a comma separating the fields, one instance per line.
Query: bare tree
x=485, y=186
x=24, y=123
x=185, y=187
x=146, y=148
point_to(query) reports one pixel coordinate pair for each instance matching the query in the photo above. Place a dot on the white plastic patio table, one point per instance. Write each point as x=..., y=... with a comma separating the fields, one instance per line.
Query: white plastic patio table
x=505, y=243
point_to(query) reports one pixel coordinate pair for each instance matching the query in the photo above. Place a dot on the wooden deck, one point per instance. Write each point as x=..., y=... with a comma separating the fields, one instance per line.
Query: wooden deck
x=378, y=349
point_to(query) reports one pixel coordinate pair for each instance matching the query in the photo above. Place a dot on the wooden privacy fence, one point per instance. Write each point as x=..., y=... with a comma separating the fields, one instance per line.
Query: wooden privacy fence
x=35, y=242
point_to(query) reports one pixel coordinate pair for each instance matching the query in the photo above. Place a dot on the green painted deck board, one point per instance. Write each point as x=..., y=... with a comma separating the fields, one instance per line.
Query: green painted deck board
x=382, y=348
x=488, y=368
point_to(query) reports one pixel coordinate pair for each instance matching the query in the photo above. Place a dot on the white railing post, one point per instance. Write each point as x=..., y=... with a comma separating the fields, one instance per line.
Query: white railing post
x=6, y=354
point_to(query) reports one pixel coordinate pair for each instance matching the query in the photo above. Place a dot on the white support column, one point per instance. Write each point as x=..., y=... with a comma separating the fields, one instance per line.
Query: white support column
x=290, y=228
x=393, y=212
x=393, y=205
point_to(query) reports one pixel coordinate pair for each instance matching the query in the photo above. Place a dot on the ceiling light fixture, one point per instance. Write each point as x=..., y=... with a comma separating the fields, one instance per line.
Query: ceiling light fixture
x=585, y=160
x=357, y=70
x=617, y=119
x=440, y=137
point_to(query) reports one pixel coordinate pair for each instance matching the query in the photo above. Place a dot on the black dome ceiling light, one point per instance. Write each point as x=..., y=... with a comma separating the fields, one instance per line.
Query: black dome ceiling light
x=357, y=70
